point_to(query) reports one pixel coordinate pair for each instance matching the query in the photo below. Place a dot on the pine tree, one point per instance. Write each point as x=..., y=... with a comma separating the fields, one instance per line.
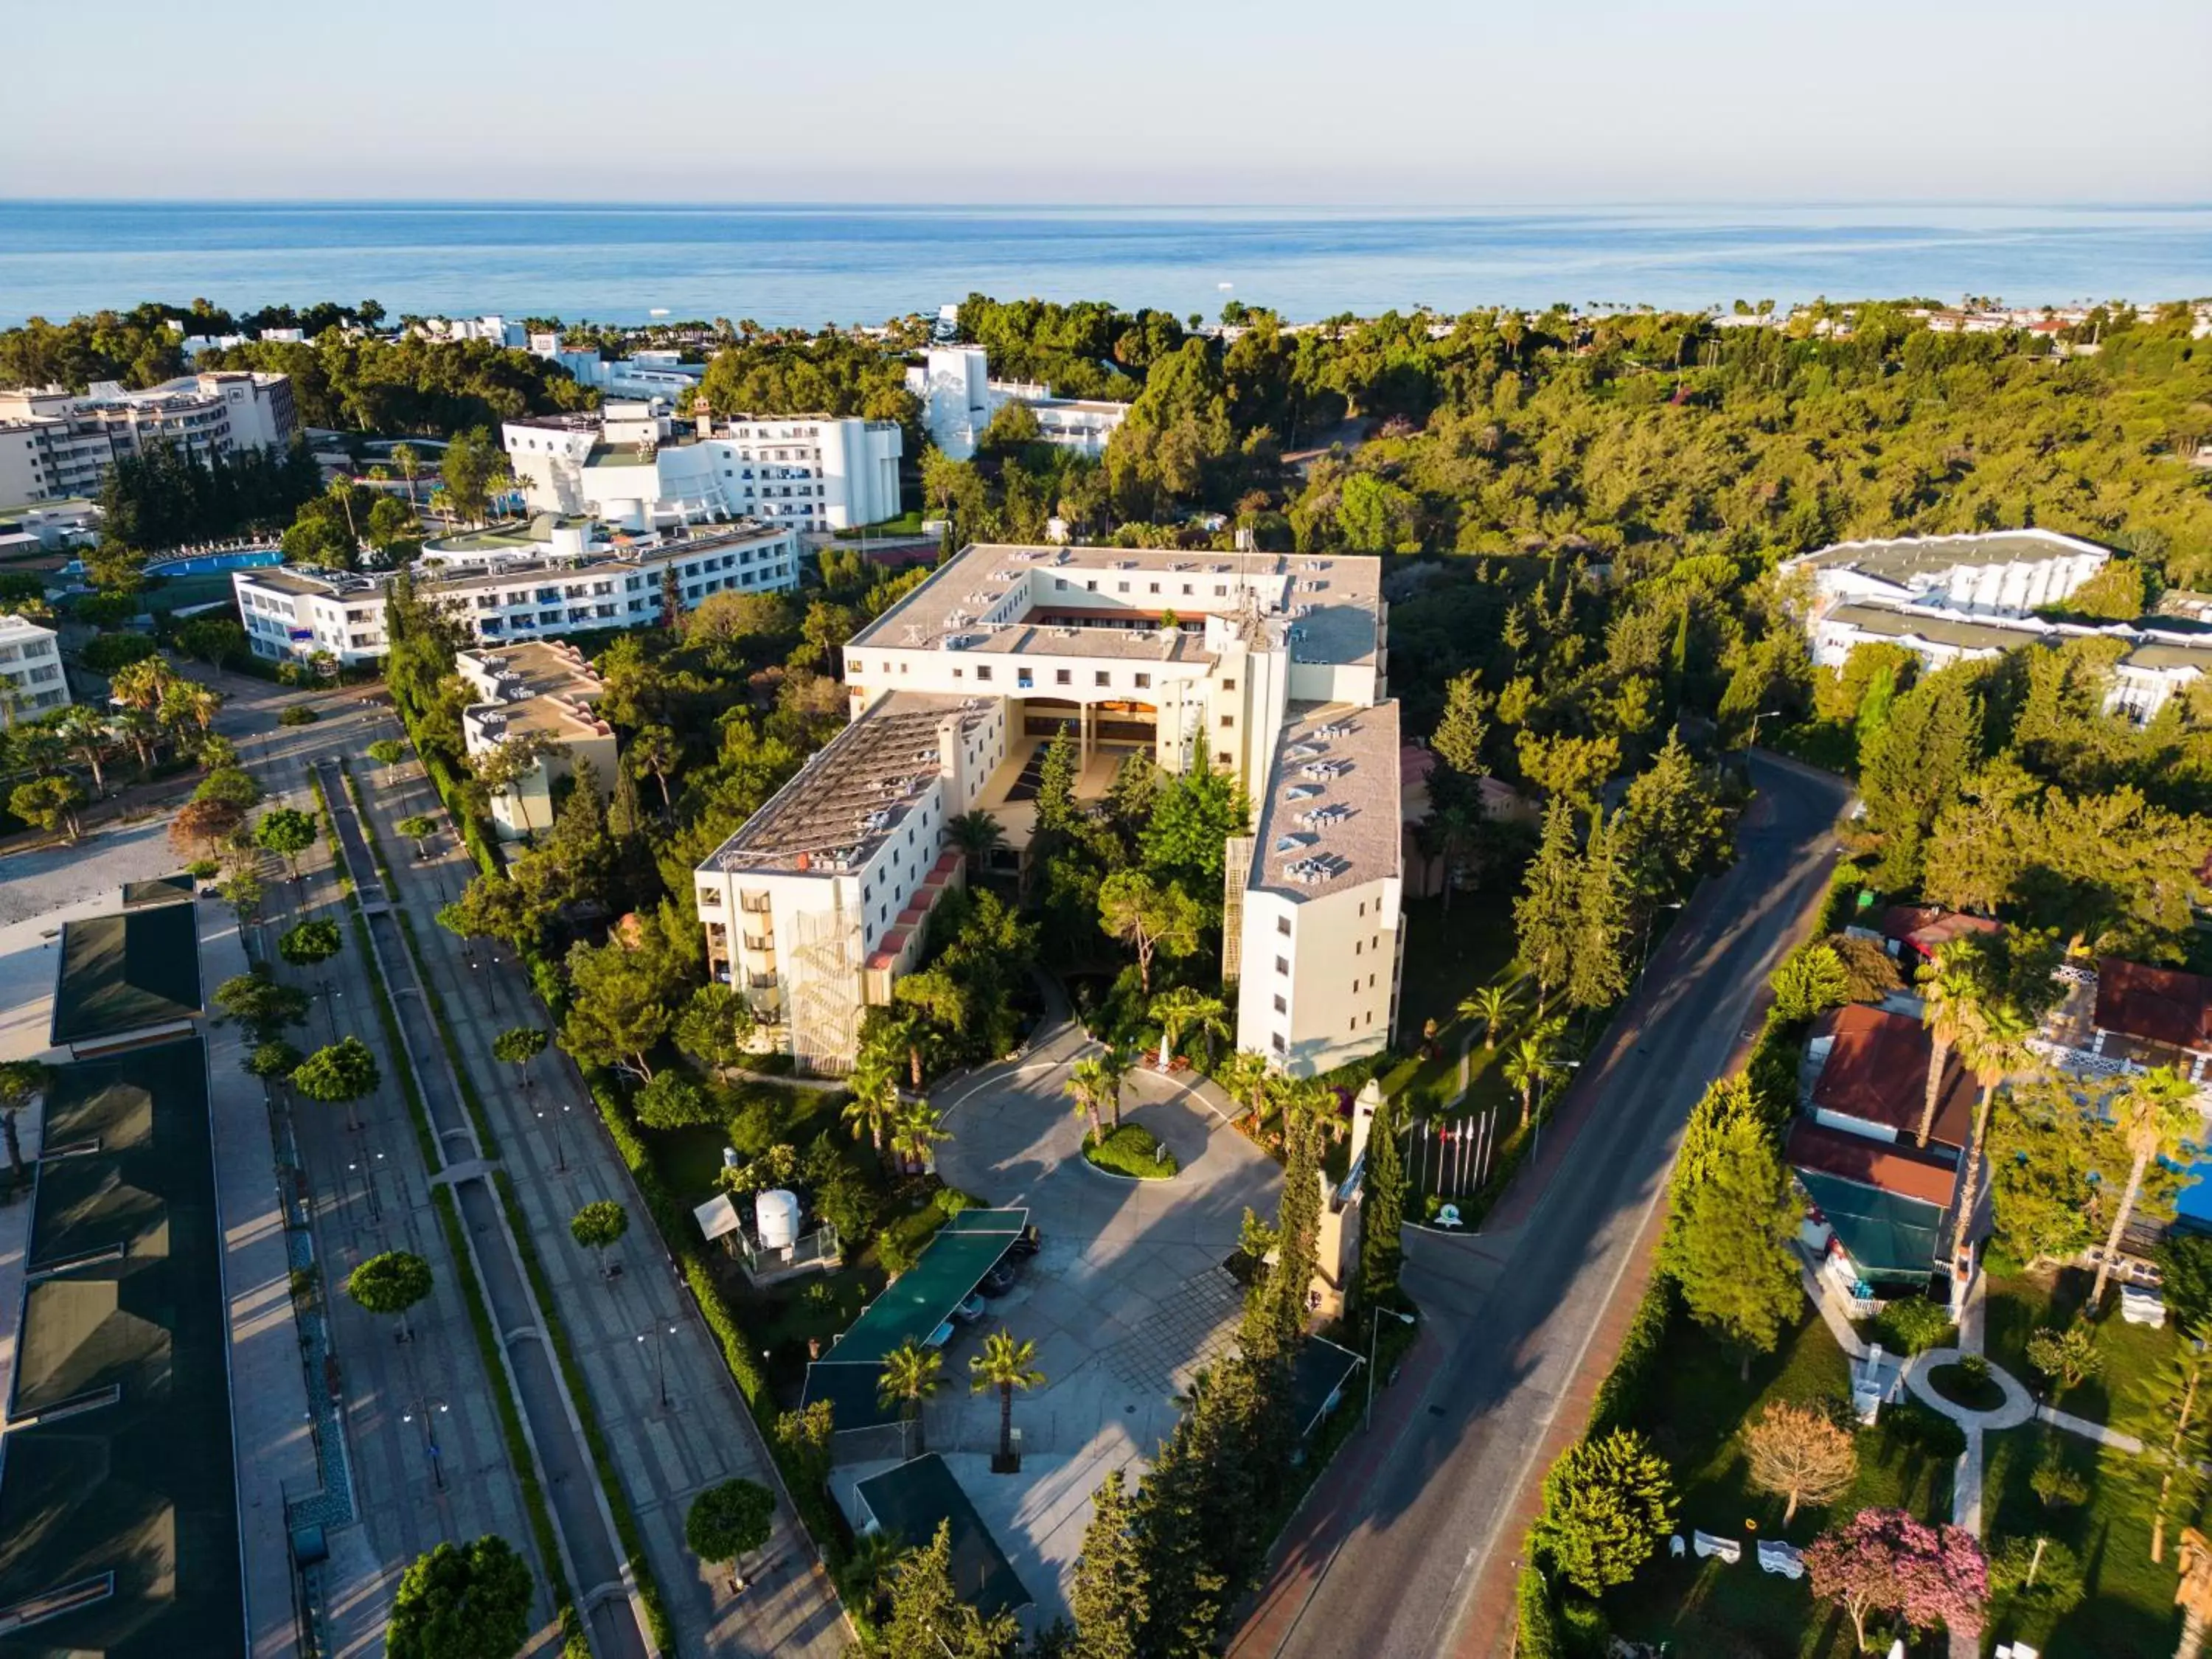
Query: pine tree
x=1382, y=1208
x=1547, y=915
x=1729, y=1223
x=1107, y=1599
x=1460, y=733
x=1185, y=1590
x=1275, y=1307
x=1597, y=971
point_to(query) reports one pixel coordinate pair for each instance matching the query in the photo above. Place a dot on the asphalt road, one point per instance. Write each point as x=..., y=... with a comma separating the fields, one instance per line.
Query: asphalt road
x=1388, y=1554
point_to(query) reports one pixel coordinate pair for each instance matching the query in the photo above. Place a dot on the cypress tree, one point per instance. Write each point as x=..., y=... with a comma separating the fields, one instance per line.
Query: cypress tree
x=1107, y=1599
x=1382, y=1208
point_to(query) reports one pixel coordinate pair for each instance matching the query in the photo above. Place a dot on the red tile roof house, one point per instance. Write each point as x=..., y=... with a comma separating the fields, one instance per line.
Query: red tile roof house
x=1880, y=1203
x=2129, y=1017
x=1913, y=934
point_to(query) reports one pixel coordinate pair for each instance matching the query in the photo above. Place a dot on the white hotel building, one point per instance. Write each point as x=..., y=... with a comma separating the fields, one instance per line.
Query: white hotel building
x=1269, y=667
x=959, y=398
x=55, y=445
x=515, y=583
x=32, y=682
x=636, y=466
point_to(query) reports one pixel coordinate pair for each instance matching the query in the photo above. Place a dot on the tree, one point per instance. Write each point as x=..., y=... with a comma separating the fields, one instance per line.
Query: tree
x=241, y=890
x=387, y=752
x=469, y=1602
x=1183, y=1008
x=874, y=1105
x=619, y=1006
x=1994, y=1047
x=2156, y=1113
x=1094, y=1083
x=1800, y=1453
x=257, y=1001
x=1597, y=967
x=1460, y=733
x=929, y=1620
x=1382, y=1209
x=1809, y=982
x=1952, y=992
x=599, y=1225
x=2176, y=1396
x=1108, y=1597
x=1490, y=1004
x=1885, y=1560
x=913, y=1131
x=1673, y=824
x=1607, y=1502
x=1914, y=763
x=1729, y=1221
x=672, y=1100
x=203, y=824
x=728, y=1520
x=339, y=1074
x=911, y=1373
x=407, y=462
x=1005, y=1365
x=473, y=466
x=1546, y=916
x=1528, y=1067
x=1149, y=917
x=1248, y=1077
x=418, y=827
x=230, y=785
x=21, y=1082
x=2037, y=1578
x=51, y=803
x=304, y=943
x=2065, y=1356
x=975, y=833
x=389, y=1284
x=716, y=1026
x=517, y=1046
x=272, y=1062
x=84, y=733
x=287, y=832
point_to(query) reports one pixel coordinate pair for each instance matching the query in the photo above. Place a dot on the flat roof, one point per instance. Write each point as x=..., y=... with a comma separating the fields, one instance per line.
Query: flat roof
x=913, y=1500
x=945, y=1274
x=163, y=889
x=1962, y=633
x=1901, y=558
x=851, y=1392
x=127, y=973
x=1329, y=815
x=535, y=668
x=854, y=792
x=119, y=1513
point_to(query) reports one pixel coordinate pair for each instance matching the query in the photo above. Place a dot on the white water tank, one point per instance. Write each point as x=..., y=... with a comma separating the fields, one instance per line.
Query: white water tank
x=776, y=1217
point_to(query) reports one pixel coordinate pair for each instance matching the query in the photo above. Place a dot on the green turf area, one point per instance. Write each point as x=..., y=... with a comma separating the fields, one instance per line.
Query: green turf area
x=1131, y=1151
x=1449, y=952
x=1696, y=1403
x=2131, y=1354
x=127, y=973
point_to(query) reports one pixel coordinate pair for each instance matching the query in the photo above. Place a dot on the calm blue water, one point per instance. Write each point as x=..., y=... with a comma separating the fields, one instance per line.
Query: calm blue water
x=809, y=266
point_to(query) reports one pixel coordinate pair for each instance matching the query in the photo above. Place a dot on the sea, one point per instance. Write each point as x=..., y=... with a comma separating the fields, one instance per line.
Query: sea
x=807, y=265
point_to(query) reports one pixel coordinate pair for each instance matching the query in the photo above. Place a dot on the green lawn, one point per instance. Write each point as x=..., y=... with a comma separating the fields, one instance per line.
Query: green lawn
x=2132, y=1354
x=1132, y=1150
x=1697, y=1401
x=1448, y=953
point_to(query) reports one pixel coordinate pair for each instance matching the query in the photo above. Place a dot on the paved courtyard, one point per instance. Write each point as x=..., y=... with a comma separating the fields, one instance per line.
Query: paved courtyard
x=1126, y=1299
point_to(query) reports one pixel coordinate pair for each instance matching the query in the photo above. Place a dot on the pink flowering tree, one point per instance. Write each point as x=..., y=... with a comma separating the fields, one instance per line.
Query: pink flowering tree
x=1883, y=1560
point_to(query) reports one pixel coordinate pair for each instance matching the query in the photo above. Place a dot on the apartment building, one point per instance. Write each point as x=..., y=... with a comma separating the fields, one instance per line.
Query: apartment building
x=56, y=444
x=636, y=465
x=959, y=398
x=32, y=682
x=516, y=582
x=1271, y=668
x=654, y=374
x=540, y=688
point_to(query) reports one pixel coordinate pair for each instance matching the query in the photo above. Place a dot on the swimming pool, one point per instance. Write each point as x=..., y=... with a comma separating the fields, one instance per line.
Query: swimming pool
x=208, y=564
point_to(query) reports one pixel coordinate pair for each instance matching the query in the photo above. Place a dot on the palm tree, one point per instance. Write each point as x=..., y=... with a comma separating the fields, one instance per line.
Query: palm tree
x=876, y=1556
x=1952, y=995
x=1246, y=1077
x=911, y=1374
x=1005, y=1365
x=1087, y=1085
x=1994, y=1045
x=975, y=833
x=85, y=734
x=1530, y=1064
x=407, y=464
x=1113, y=1067
x=2156, y=1113
x=1491, y=1004
x=143, y=684
x=913, y=1131
x=1186, y=1008
x=875, y=1102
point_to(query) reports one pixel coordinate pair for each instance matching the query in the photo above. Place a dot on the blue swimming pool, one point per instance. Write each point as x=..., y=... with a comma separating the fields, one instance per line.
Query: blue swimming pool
x=208, y=564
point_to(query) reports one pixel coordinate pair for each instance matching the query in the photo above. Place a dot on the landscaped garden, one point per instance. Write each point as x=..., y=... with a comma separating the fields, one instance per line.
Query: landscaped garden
x=1131, y=1151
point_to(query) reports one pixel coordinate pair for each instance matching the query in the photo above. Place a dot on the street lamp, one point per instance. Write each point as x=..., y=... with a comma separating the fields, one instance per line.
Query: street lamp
x=1644, y=959
x=329, y=989
x=660, y=1335
x=1537, y=1139
x=560, y=1147
x=1373, y=1324
x=1764, y=713
x=422, y=1408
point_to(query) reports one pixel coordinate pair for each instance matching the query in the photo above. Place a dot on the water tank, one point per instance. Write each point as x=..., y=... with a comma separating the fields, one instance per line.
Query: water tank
x=775, y=1216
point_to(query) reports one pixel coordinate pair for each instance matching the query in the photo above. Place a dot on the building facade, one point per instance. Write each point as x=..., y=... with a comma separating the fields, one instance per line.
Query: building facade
x=516, y=583
x=1269, y=668
x=543, y=688
x=663, y=375
x=636, y=465
x=32, y=682
x=56, y=444
x=959, y=398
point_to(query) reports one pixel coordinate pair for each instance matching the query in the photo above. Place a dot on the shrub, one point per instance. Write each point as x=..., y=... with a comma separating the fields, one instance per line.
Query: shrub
x=1607, y=1502
x=1583, y=1626
x=298, y=715
x=2058, y=1589
x=952, y=1201
x=1539, y=1636
x=1133, y=1151
x=1813, y=980
x=1916, y=1428
x=2066, y=1358
x=1913, y=1324
x=2056, y=1481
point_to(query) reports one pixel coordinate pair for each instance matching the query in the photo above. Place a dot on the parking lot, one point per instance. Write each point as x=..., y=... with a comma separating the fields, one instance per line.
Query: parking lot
x=1126, y=1298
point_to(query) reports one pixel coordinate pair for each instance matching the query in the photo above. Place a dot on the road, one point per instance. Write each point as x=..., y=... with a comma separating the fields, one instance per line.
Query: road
x=1409, y=1543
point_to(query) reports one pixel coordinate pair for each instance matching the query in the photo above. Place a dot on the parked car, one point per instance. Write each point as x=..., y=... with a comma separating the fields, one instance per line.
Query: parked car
x=970, y=1311
x=1005, y=1273
x=1027, y=1243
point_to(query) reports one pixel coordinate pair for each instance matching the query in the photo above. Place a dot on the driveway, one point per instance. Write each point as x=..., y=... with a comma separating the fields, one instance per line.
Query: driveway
x=1125, y=1301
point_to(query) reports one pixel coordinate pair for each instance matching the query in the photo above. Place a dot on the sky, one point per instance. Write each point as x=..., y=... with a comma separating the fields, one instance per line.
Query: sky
x=1131, y=101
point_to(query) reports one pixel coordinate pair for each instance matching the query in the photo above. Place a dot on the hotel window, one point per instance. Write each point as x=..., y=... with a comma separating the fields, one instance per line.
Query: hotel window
x=1143, y=682
x=1229, y=685
x=1186, y=588
x=1222, y=757
x=1228, y=720
x=1357, y=946
x=1152, y=587
x=1283, y=966
x=982, y=671
x=1062, y=677
x=1120, y=587
x=1102, y=679
x=1283, y=926
x=1282, y=1046
x=1282, y=1005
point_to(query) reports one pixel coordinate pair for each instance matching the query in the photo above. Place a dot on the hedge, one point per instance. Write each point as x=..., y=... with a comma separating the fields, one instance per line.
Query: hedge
x=1538, y=1635
x=1622, y=1391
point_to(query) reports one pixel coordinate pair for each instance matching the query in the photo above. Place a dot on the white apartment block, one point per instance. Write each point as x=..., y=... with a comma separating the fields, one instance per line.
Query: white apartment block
x=656, y=374
x=1270, y=667
x=32, y=682
x=959, y=398
x=516, y=582
x=635, y=466
x=543, y=687
x=56, y=444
